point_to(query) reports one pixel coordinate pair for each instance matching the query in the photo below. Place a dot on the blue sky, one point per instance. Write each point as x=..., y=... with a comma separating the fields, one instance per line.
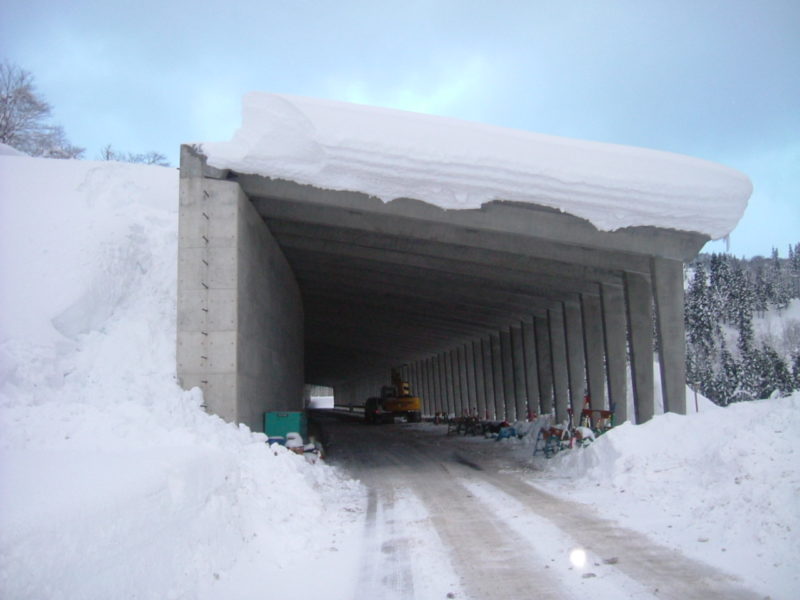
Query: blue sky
x=716, y=79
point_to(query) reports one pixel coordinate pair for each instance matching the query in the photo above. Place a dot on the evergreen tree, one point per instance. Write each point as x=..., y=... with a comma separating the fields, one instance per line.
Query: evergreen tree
x=719, y=284
x=700, y=333
x=794, y=271
x=779, y=292
x=747, y=367
x=727, y=291
x=796, y=369
x=762, y=291
x=773, y=373
x=726, y=381
x=740, y=297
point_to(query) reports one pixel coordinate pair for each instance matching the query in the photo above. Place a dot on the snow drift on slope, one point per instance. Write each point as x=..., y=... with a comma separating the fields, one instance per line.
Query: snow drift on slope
x=456, y=164
x=115, y=482
x=720, y=485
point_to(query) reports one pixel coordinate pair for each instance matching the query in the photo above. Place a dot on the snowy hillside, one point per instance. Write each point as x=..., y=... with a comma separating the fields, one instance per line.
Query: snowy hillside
x=114, y=480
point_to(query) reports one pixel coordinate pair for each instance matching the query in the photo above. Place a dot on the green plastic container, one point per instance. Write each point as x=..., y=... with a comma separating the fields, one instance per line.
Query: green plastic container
x=279, y=423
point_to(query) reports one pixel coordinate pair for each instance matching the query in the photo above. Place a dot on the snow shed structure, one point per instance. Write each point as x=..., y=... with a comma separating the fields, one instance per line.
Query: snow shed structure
x=505, y=272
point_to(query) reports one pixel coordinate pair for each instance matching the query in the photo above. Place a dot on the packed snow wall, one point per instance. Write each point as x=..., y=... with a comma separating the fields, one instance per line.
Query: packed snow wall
x=240, y=316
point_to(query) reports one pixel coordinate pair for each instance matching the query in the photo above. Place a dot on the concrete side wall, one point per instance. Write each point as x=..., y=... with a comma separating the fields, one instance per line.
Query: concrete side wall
x=270, y=323
x=240, y=316
x=206, y=340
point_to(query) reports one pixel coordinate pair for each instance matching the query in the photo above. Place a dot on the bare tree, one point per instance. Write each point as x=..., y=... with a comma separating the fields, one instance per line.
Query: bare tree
x=146, y=158
x=23, y=117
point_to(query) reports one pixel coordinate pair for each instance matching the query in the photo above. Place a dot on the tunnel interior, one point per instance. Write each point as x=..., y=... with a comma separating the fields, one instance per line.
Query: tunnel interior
x=506, y=310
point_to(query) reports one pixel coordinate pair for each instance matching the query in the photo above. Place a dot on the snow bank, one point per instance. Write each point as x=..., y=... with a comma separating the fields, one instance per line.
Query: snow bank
x=6, y=150
x=720, y=485
x=115, y=483
x=456, y=165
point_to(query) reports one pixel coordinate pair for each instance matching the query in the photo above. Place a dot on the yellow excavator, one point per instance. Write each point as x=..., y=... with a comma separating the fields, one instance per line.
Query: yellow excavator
x=396, y=401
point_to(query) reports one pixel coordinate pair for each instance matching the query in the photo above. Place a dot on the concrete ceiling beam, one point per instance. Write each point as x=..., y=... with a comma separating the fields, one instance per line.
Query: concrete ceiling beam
x=542, y=275
x=519, y=218
x=410, y=305
x=400, y=245
x=452, y=292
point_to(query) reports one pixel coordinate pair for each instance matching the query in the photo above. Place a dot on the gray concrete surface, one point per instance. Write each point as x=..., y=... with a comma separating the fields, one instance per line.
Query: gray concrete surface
x=362, y=287
x=240, y=313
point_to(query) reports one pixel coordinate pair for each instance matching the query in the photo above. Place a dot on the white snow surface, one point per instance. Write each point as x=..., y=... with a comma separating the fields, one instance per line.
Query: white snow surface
x=6, y=150
x=460, y=165
x=720, y=485
x=114, y=483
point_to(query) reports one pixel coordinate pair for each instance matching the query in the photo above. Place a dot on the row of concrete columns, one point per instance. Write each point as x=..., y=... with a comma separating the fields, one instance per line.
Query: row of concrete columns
x=588, y=345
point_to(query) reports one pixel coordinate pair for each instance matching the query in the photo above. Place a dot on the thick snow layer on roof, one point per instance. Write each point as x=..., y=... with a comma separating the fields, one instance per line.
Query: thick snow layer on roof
x=457, y=164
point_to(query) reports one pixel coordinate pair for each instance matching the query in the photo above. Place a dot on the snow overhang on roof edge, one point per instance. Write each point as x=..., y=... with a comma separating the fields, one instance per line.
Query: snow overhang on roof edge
x=457, y=164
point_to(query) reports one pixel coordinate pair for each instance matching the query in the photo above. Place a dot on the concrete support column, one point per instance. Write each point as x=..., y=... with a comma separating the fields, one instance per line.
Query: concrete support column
x=640, y=338
x=457, y=387
x=448, y=378
x=443, y=382
x=466, y=406
x=593, y=345
x=488, y=378
x=455, y=373
x=668, y=293
x=531, y=367
x=480, y=384
x=439, y=402
x=520, y=386
x=544, y=365
x=509, y=396
x=462, y=379
x=430, y=394
x=428, y=399
x=576, y=357
x=472, y=394
x=420, y=389
x=419, y=384
x=440, y=385
x=497, y=377
x=614, y=328
x=436, y=383
x=558, y=352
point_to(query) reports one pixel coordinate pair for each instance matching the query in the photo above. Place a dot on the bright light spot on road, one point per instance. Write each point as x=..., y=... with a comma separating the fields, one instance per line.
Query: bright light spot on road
x=578, y=557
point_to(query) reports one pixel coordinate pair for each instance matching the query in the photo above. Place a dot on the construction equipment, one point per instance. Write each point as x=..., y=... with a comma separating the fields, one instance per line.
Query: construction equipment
x=396, y=401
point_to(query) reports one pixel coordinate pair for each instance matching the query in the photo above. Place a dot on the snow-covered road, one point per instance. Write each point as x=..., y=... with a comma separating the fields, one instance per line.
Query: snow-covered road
x=450, y=518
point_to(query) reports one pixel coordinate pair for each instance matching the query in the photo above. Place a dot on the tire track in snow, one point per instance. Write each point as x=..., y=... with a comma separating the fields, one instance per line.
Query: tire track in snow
x=666, y=572
x=386, y=571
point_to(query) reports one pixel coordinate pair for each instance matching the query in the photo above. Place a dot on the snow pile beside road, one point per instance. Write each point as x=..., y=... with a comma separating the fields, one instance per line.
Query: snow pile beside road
x=721, y=485
x=115, y=482
x=6, y=150
x=458, y=165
